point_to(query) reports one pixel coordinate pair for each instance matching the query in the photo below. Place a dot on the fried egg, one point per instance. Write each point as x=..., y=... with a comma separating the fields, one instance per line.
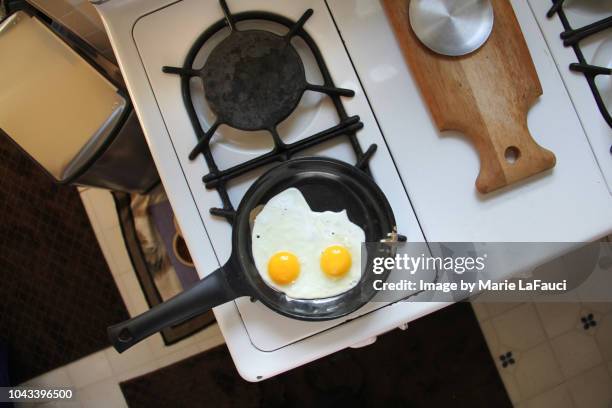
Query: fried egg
x=303, y=253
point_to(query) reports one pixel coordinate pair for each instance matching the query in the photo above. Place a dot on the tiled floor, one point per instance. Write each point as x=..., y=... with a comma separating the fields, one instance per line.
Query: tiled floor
x=96, y=377
x=551, y=354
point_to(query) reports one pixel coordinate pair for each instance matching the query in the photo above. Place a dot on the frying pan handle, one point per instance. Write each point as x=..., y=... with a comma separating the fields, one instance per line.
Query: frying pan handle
x=211, y=291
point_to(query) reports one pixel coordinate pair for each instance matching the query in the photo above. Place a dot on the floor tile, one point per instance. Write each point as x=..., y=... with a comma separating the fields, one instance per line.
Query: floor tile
x=592, y=388
x=497, y=308
x=211, y=343
x=512, y=387
x=490, y=335
x=576, y=352
x=603, y=335
x=519, y=328
x=557, y=397
x=537, y=371
x=132, y=294
x=89, y=370
x=178, y=355
x=54, y=378
x=209, y=332
x=103, y=204
x=116, y=246
x=599, y=307
x=480, y=310
x=558, y=318
x=102, y=394
x=99, y=233
x=72, y=403
x=138, y=371
x=159, y=349
x=136, y=356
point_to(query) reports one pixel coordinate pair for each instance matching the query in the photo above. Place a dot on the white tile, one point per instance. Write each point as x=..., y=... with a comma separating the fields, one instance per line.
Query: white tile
x=211, y=343
x=491, y=338
x=159, y=349
x=100, y=237
x=102, y=394
x=558, y=318
x=71, y=403
x=116, y=245
x=519, y=328
x=480, y=310
x=179, y=355
x=557, y=397
x=89, y=370
x=497, y=308
x=537, y=371
x=592, y=388
x=132, y=294
x=511, y=386
x=136, y=356
x=603, y=335
x=576, y=351
x=138, y=371
x=210, y=331
x=103, y=204
x=54, y=378
x=599, y=307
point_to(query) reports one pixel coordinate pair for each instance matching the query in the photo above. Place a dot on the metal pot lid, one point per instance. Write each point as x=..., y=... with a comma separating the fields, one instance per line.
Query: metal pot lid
x=452, y=27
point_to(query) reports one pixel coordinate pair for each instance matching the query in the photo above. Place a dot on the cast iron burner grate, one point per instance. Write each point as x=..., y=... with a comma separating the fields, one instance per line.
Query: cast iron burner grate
x=253, y=80
x=572, y=37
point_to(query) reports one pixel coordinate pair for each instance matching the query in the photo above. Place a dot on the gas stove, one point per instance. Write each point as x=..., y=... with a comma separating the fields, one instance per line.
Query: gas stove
x=233, y=148
x=579, y=34
x=358, y=94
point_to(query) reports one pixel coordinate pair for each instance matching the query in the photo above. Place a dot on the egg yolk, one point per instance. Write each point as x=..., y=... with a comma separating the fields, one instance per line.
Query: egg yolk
x=283, y=268
x=335, y=261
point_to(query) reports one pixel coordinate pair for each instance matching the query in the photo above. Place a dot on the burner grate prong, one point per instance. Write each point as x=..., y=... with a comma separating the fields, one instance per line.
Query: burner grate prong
x=555, y=8
x=229, y=18
x=348, y=126
x=571, y=37
x=228, y=214
x=278, y=142
x=591, y=70
x=330, y=90
x=181, y=71
x=203, y=142
x=363, y=162
x=298, y=25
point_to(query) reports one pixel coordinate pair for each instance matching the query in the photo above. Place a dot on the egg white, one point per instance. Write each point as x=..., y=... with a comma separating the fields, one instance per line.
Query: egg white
x=286, y=223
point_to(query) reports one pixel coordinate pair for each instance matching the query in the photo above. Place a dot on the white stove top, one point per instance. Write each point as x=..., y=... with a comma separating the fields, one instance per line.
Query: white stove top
x=597, y=50
x=414, y=160
x=267, y=330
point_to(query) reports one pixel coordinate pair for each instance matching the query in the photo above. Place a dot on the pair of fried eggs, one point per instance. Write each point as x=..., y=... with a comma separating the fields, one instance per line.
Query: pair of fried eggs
x=303, y=253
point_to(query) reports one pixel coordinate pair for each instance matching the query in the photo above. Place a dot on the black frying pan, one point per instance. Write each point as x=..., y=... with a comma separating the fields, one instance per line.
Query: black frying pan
x=327, y=185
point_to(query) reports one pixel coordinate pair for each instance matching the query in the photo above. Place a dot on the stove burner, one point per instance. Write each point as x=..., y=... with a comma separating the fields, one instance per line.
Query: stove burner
x=572, y=37
x=253, y=79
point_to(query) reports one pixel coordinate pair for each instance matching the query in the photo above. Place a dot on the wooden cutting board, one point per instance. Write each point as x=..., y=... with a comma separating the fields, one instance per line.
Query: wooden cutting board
x=485, y=95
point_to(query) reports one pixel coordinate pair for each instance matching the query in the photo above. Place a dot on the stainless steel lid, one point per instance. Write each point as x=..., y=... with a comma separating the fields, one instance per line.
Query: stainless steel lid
x=452, y=27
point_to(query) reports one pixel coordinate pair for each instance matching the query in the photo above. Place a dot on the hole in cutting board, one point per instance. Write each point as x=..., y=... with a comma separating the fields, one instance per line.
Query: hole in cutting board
x=512, y=154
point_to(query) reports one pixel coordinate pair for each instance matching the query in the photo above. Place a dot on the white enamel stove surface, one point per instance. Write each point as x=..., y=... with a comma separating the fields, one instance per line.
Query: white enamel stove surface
x=597, y=49
x=568, y=204
x=160, y=42
x=571, y=204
